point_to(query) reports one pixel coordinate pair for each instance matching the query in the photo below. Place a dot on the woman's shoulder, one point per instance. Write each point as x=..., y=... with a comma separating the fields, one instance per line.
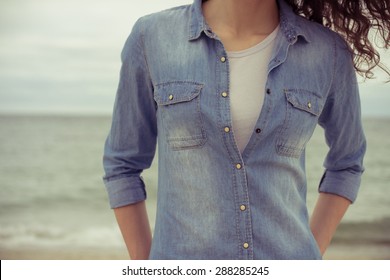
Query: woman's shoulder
x=323, y=37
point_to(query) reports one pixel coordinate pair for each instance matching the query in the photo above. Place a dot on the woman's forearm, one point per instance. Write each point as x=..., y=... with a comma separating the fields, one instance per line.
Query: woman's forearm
x=327, y=215
x=134, y=224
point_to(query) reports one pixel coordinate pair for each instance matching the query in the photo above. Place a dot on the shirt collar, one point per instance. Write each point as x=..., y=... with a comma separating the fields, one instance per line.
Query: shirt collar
x=197, y=23
x=290, y=26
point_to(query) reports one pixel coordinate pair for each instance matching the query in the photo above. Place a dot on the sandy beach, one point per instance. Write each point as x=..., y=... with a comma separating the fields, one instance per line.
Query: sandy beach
x=358, y=252
x=63, y=254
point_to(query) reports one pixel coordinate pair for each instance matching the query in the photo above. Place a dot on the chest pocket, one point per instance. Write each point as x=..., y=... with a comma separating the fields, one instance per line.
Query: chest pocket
x=180, y=114
x=302, y=112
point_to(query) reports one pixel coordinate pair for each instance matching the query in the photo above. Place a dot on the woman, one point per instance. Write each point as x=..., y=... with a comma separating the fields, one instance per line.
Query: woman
x=232, y=91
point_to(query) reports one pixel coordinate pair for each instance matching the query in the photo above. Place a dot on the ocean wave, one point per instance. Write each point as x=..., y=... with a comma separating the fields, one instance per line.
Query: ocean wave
x=42, y=236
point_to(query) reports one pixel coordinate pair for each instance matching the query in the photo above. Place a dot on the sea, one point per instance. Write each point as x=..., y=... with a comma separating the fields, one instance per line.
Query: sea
x=52, y=195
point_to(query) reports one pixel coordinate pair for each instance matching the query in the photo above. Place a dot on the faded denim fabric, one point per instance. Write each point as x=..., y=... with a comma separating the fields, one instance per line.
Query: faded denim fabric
x=213, y=202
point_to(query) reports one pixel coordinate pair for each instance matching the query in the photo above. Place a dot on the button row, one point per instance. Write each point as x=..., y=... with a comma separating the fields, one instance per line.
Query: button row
x=238, y=165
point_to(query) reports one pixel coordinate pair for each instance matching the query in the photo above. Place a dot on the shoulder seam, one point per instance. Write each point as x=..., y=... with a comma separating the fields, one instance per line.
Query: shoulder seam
x=142, y=45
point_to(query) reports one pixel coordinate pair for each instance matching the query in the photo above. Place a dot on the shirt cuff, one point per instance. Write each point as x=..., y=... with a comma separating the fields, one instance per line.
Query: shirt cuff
x=125, y=191
x=343, y=183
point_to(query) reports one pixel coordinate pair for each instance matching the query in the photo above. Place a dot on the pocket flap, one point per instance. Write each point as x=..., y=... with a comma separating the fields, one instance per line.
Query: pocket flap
x=176, y=92
x=304, y=100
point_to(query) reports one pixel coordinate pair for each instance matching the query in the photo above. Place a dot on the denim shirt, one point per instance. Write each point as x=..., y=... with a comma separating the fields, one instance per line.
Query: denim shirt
x=214, y=202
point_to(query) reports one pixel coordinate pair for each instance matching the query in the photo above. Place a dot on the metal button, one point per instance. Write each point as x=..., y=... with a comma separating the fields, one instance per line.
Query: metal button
x=245, y=245
x=170, y=97
x=243, y=207
x=227, y=129
x=258, y=130
x=224, y=94
x=309, y=104
x=238, y=166
x=223, y=59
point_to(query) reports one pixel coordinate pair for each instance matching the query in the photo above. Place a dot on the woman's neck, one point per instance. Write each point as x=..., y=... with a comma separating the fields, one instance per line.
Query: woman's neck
x=241, y=18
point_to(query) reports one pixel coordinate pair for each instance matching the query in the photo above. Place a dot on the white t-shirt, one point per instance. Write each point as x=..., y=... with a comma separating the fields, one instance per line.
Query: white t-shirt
x=248, y=76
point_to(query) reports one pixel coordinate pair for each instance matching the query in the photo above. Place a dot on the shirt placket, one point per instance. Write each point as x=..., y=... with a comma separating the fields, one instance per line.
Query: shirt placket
x=238, y=171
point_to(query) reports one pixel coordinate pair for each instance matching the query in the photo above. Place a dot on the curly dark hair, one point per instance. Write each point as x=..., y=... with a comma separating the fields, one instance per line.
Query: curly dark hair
x=362, y=23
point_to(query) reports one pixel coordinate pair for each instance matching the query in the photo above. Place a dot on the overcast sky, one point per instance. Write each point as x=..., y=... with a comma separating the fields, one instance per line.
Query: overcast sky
x=62, y=56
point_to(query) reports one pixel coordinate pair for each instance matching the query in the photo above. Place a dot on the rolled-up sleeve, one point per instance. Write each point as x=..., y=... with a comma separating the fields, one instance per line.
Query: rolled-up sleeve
x=131, y=143
x=341, y=120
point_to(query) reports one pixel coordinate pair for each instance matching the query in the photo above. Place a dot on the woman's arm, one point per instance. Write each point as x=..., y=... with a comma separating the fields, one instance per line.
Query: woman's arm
x=134, y=225
x=341, y=120
x=131, y=144
x=327, y=215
